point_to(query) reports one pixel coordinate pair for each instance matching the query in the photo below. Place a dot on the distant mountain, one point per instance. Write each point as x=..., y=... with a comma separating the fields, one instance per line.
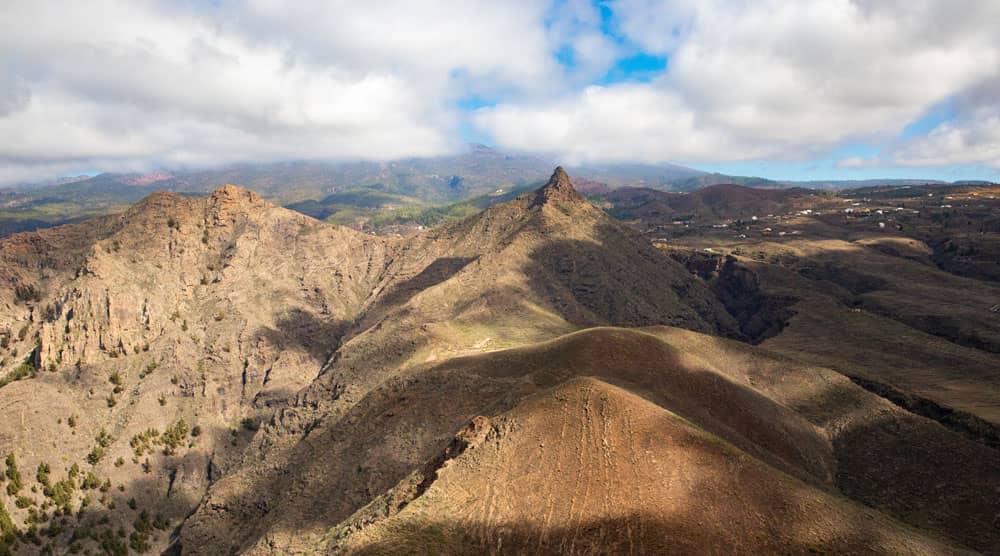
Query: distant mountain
x=366, y=195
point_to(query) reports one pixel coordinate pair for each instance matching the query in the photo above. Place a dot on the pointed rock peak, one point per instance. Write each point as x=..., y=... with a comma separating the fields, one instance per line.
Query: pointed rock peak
x=232, y=198
x=559, y=188
x=230, y=192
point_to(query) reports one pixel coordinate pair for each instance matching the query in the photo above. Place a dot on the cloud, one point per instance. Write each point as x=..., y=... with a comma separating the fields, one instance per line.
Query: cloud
x=122, y=85
x=971, y=141
x=765, y=80
x=858, y=162
x=972, y=138
x=115, y=84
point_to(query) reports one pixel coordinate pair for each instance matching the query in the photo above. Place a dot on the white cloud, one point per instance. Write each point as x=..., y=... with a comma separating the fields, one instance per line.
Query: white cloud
x=971, y=138
x=766, y=80
x=116, y=84
x=971, y=141
x=136, y=84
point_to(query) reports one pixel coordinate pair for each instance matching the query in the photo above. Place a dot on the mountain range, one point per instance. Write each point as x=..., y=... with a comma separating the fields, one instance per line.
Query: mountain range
x=218, y=375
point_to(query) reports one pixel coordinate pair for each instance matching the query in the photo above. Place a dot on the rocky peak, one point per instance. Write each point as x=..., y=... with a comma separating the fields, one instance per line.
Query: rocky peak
x=231, y=203
x=558, y=189
x=230, y=194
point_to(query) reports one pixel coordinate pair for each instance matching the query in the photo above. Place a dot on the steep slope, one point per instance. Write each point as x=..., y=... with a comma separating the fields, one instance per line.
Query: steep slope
x=587, y=467
x=180, y=320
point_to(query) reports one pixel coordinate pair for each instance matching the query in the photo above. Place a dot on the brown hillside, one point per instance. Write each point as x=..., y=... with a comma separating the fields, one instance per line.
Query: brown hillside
x=587, y=467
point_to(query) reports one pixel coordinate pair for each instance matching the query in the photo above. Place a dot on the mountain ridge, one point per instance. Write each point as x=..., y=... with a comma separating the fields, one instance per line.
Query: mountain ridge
x=323, y=366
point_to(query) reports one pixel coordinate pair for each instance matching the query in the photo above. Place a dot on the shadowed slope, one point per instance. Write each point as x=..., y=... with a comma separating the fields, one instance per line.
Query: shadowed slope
x=587, y=467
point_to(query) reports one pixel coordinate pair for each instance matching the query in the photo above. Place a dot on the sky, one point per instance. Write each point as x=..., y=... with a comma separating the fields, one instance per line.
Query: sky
x=797, y=89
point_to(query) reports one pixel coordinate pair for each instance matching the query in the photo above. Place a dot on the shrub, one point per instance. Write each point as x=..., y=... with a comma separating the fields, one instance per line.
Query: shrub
x=7, y=530
x=95, y=455
x=27, y=292
x=90, y=482
x=23, y=371
x=174, y=436
x=42, y=474
x=196, y=431
x=115, y=378
x=61, y=493
x=141, y=443
x=14, y=486
x=148, y=371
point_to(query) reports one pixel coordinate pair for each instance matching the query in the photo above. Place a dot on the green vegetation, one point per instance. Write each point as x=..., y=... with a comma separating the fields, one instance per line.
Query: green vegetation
x=174, y=436
x=143, y=442
x=149, y=369
x=249, y=423
x=90, y=482
x=61, y=492
x=27, y=292
x=42, y=474
x=8, y=533
x=103, y=440
x=15, y=485
x=23, y=371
